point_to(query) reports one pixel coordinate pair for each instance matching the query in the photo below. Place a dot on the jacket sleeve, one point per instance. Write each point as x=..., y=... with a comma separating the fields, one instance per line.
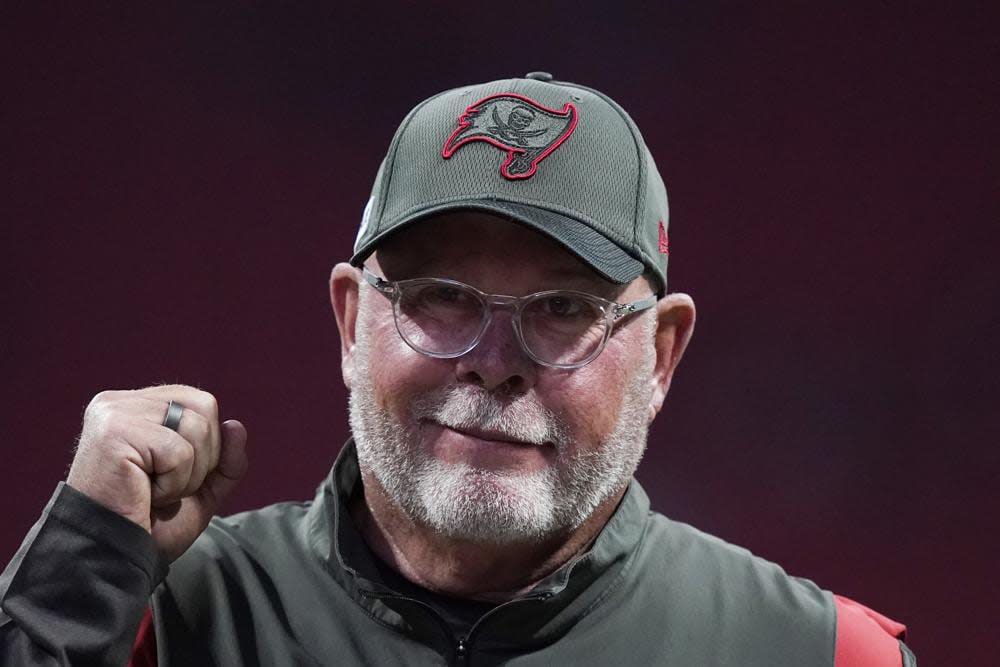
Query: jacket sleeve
x=866, y=638
x=76, y=590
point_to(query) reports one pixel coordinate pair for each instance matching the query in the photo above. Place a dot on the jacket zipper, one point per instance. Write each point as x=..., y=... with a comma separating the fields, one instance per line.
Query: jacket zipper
x=462, y=644
x=430, y=610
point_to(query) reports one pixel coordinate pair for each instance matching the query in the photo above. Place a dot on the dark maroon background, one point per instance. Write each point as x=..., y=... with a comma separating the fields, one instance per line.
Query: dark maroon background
x=178, y=184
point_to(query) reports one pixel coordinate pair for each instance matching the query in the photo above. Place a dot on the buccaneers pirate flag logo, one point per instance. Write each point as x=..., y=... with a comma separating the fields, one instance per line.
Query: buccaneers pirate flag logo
x=516, y=124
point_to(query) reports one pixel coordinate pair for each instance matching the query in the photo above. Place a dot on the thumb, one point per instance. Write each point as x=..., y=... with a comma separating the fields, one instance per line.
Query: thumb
x=232, y=465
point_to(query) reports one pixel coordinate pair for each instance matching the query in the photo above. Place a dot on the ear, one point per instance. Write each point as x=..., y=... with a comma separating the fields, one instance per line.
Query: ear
x=344, y=283
x=675, y=316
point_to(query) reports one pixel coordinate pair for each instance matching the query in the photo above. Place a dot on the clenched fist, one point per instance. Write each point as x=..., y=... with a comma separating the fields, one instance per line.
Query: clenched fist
x=169, y=482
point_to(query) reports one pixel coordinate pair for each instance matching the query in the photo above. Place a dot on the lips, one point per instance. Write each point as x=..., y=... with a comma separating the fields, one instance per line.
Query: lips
x=486, y=449
x=487, y=434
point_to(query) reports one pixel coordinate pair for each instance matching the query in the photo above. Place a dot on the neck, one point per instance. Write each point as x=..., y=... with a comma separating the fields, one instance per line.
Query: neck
x=461, y=568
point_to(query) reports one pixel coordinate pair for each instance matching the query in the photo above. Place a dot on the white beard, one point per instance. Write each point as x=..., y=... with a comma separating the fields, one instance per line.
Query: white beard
x=462, y=502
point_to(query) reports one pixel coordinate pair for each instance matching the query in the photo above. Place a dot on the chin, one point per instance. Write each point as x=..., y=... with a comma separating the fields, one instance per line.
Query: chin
x=475, y=505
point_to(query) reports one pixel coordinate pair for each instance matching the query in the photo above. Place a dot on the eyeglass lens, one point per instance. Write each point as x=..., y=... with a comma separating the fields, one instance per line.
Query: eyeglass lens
x=445, y=319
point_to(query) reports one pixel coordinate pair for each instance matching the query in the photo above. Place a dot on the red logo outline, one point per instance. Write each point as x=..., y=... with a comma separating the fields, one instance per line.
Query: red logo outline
x=568, y=110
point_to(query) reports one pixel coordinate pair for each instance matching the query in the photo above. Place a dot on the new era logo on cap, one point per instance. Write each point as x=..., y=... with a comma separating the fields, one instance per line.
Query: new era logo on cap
x=528, y=131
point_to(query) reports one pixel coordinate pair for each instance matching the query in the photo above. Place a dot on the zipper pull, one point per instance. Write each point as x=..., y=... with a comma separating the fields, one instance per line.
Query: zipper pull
x=460, y=648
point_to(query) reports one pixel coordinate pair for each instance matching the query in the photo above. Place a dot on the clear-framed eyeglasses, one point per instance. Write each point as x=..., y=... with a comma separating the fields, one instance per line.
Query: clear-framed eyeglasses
x=445, y=319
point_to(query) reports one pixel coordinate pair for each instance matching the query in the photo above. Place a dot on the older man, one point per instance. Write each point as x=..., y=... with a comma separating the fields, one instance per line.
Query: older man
x=507, y=338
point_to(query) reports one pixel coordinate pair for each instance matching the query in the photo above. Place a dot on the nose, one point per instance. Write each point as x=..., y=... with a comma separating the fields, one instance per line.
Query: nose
x=498, y=363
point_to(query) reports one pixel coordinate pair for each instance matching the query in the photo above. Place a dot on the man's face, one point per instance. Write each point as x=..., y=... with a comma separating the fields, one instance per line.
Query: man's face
x=491, y=446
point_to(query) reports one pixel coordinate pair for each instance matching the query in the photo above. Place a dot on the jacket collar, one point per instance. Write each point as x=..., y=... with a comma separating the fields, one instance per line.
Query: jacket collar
x=549, y=609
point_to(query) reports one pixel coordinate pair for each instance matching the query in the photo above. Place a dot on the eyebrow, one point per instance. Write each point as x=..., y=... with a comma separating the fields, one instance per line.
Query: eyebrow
x=585, y=280
x=569, y=280
x=567, y=276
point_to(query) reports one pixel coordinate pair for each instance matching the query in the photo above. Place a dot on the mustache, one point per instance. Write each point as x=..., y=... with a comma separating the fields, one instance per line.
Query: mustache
x=523, y=418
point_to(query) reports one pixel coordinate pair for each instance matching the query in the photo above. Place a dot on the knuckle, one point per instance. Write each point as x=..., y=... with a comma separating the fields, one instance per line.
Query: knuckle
x=100, y=397
x=177, y=448
x=100, y=401
x=201, y=430
x=101, y=419
x=210, y=404
x=188, y=450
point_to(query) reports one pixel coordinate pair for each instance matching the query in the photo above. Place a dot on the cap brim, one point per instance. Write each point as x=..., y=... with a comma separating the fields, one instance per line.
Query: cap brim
x=593, y=248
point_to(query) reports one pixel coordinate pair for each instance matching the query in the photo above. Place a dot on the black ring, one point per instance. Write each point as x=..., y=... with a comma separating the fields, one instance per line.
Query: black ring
x=173, y=417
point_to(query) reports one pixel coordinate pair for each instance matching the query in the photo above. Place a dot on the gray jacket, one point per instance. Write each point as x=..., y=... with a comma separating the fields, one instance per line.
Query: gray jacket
x=294, y=584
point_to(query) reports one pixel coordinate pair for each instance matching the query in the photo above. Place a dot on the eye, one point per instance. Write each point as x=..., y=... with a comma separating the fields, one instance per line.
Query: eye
x=443, y=294
x=563, y=305
x=440, y=298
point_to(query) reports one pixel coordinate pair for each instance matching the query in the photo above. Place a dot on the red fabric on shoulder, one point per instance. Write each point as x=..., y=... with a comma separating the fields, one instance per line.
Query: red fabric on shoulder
x=866, y=638
x=144, y=648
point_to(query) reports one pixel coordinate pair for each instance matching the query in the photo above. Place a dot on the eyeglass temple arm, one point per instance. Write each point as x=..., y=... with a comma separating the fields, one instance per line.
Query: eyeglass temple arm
x=623, y=309
x=381, y=284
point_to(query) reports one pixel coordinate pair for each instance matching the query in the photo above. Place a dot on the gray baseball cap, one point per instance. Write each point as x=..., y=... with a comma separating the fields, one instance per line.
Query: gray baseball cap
x=558, y=157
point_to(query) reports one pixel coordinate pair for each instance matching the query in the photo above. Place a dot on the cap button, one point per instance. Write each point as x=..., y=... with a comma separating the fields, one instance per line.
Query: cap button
x=538, y=76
